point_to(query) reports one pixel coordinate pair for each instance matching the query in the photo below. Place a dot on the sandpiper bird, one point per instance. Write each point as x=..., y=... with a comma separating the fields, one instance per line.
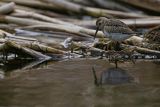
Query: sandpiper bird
x=114, y=29
x=153, y=35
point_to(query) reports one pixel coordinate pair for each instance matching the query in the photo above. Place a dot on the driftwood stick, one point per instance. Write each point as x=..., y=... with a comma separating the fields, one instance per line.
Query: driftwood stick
x=142, y=22
x=33, y=3
x=96, y=12
x=135, y=40
x=7, y=8
x=8, y=27
x=152, y=5
x=7, y=35
x=21, y=21
x=147, y=51
x=34, y=24
x=29, y=43
x=69, y=29
x=39, y=24
x=32, y=44
x=22, y=13
x=36, y=10
x=144, y=50
x=42, y=48
x=113, y=5
x=45, y=25
x=10, y=45
x=28, y=51
x=136, y=23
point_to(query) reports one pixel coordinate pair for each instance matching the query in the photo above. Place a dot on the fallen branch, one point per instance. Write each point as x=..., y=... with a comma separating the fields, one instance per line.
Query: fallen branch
x=7, y=8
x=22, y=13
x=8, y=27
x=113, y=5
x=84, y=32
x=135, y=23
x=13, y=46
x=96, y=12
x=152, y=5
x=73, y=29
x=42, y=48
x=7, y=35
x=145, y=51
x=33, y=3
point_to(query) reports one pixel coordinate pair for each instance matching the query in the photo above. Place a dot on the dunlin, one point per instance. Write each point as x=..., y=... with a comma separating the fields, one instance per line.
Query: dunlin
x=114, y=29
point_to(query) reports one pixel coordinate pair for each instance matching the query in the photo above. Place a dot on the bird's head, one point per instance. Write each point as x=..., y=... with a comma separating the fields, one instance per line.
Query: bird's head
x=100, y=24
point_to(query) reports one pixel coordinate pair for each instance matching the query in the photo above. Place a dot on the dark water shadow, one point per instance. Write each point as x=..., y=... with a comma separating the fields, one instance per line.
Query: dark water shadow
x=13, y=63
x=113, y=76
x=24, y=64
x=7, y=67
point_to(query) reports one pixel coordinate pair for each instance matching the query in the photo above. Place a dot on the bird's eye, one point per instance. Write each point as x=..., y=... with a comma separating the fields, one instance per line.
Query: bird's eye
x=99, y=23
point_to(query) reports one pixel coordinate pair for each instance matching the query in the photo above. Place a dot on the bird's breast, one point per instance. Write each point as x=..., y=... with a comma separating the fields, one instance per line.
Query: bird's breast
x=117, y=36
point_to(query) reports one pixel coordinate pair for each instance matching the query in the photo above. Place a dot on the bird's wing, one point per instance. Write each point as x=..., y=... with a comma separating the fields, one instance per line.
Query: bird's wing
x=114, y=22
x=117, y=29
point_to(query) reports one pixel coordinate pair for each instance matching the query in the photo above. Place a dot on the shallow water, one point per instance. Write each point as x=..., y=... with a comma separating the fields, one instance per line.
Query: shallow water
x=71, y=84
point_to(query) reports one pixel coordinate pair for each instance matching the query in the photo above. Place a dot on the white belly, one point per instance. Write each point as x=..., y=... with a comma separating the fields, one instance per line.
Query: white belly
x=117, y=36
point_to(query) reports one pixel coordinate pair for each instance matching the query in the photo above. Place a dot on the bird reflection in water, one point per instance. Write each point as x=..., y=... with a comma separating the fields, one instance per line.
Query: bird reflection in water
x=112, y=76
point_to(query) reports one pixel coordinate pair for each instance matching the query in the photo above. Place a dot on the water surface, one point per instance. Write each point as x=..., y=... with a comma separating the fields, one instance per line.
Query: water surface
x=71, y=84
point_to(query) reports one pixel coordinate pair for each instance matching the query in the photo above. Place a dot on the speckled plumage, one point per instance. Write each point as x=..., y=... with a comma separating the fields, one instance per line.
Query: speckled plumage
x=114, y=29
x=153, y=35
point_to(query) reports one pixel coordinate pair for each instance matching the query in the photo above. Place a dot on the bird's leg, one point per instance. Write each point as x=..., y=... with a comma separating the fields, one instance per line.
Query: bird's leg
x=112, y=45
x=71, y=49
x=102, y=53
x=106, y=46
x=117, y=46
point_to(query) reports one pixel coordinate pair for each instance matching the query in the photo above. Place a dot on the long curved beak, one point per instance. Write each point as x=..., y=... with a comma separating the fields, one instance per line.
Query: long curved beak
x=96, y=32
